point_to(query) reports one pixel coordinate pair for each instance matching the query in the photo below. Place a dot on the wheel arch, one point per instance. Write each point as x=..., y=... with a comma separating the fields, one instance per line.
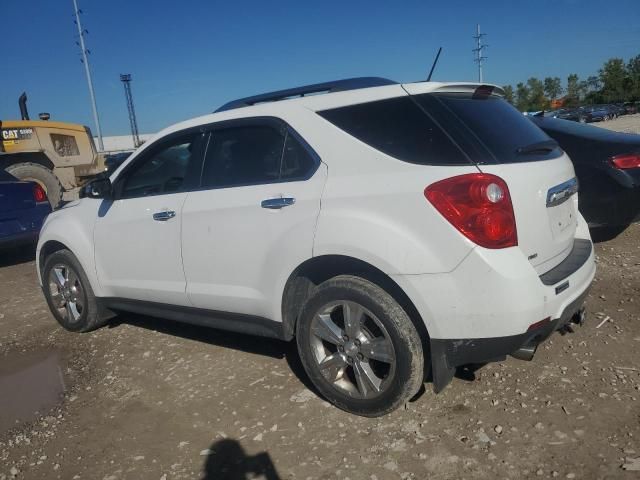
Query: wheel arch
x=54, y=236
x=312, y=272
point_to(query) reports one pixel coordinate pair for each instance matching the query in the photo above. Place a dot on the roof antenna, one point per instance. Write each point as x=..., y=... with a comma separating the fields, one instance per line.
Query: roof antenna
x=434, y=64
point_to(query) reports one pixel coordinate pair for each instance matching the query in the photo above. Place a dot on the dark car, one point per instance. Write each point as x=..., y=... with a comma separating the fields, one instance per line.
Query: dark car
x=573, y=114
x=596, y=113
x=23, y=208
x=607, y=165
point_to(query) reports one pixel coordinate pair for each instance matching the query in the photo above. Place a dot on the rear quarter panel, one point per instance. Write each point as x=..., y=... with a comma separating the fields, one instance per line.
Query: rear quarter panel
x=373, y=207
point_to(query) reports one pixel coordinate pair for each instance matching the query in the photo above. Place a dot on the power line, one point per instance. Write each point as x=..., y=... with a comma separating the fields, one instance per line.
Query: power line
x=478, y=51
x=126, y=81
x=85, y=61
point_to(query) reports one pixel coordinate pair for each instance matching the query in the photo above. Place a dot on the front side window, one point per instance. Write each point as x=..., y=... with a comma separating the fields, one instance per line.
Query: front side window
x=163, y=170
x=252, y=155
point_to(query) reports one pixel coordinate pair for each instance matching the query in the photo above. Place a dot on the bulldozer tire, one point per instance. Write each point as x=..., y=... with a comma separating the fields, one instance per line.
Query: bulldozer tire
x=42, y=175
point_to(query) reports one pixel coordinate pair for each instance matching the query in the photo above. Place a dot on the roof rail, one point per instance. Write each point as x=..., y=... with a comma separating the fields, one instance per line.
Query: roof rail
x=326, y=87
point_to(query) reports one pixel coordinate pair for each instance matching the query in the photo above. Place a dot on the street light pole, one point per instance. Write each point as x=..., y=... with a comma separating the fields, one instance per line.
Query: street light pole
x=85, y=61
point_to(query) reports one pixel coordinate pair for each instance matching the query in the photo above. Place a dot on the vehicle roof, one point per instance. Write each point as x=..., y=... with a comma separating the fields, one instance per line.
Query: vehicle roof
x=313, y=103
x=326, y=101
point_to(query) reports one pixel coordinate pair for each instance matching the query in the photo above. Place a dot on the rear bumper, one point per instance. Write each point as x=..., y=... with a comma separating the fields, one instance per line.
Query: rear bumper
x=495, y=302
x=448, y=354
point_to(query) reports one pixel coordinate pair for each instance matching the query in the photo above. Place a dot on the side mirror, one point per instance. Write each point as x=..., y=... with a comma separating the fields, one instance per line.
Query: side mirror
x=98, y=188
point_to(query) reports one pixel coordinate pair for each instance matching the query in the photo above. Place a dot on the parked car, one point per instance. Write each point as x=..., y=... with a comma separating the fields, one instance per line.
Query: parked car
x=596, y=113
x=23, y=208
x=607, y=165
x=573, y=114
x=630, y=108
x=388, y=228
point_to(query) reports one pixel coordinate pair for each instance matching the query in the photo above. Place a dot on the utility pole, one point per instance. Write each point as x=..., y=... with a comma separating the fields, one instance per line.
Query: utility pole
x=85, y=61
x=126, y=81
x=479, y=57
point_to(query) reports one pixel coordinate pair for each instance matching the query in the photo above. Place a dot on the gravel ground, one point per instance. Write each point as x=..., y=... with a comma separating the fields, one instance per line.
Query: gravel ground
x=626, y=123
x=150, y=399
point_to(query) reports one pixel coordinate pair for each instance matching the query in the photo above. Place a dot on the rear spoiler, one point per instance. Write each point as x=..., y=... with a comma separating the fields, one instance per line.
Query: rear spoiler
x=473, y=88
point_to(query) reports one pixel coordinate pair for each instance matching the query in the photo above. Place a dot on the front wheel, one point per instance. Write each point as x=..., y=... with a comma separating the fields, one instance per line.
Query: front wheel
x=359, y=347
x=69, y=294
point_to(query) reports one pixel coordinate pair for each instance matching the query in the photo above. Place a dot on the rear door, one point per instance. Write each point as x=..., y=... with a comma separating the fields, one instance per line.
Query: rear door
x=253, y=219
x=503, y=142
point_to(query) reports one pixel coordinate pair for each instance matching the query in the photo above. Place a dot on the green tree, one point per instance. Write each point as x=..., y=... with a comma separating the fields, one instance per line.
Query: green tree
x=613, y=75
x=633, y=78
x=508, y=93
x=553, y=87
x=537, y=100
x=522, y=97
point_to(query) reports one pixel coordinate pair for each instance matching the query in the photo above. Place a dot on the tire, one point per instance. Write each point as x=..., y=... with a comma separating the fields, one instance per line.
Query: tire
x=76, y=308
x=42, y=175
x=396, y=374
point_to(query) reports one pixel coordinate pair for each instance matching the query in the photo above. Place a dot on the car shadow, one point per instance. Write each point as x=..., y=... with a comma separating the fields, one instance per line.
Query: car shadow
x=246, y=343
x=269, y=347
x=17, y=255
x=227, y=460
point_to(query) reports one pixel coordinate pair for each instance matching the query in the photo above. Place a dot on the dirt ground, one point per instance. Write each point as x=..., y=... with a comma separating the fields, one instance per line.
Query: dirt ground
x=626, y=123
x=149, y=399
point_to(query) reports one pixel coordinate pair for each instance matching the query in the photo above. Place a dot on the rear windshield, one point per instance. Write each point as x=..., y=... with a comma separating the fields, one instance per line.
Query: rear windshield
x=6, y=177
x=445, y=129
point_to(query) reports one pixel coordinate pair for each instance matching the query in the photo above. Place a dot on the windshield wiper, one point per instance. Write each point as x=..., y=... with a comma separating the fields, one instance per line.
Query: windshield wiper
x=545, y=146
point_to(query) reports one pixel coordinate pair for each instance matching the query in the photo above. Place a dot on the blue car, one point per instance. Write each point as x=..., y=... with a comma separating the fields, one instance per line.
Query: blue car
x=23, y=208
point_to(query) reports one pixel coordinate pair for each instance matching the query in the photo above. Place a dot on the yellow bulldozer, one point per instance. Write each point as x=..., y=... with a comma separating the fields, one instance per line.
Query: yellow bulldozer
x=60, y=156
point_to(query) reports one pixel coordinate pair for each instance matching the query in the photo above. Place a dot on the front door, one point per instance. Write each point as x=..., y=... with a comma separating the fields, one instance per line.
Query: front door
x=138, y=235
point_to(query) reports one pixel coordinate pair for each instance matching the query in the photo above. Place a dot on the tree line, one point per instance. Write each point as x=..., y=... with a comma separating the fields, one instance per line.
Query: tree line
x=615, y=82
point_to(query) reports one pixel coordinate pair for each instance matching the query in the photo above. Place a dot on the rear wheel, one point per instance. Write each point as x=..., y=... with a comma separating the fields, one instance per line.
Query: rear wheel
x=43, y=176
x=69, y=294
x=359, y=347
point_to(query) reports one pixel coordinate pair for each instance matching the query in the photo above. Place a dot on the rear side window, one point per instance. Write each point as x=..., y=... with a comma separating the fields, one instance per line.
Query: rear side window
x=255, y=154
x=243, y=156
x=399, y=128
x=6, y=177
x=297, y=161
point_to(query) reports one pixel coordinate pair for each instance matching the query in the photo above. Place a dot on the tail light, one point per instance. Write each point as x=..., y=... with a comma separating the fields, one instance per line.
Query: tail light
x=479, y=206
x=39, y=195
x=626, y=161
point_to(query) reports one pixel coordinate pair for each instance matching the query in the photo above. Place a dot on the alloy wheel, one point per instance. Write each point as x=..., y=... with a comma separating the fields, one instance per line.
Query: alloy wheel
x=352, y=349
x=67, y=294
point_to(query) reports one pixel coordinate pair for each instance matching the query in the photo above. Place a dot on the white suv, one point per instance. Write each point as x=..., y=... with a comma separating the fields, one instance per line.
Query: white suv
x=395, y=230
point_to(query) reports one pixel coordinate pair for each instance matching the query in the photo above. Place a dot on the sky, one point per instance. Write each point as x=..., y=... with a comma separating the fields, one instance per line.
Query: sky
x=188, y=57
